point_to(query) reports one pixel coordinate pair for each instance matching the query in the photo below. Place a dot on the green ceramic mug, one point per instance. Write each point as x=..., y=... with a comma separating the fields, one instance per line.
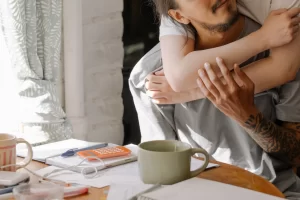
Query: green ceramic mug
x=167, y=162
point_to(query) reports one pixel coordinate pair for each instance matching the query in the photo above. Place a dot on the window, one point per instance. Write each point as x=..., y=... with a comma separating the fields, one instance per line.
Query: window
x=9, y=105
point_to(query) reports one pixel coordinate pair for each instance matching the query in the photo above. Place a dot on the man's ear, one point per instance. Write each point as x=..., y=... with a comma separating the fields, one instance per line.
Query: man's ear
x=177, y=15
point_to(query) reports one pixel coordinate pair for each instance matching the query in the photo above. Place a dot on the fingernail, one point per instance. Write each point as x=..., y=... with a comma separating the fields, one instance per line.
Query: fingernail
x=218, y=59
x=207, y=66
x=201, y=73
x=236, y=67
x=155, y=101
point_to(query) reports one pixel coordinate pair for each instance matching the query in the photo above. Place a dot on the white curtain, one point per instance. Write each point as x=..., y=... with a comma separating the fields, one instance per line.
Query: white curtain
x=32, y=34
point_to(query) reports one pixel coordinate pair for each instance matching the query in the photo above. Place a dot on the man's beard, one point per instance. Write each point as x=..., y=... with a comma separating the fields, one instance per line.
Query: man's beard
x=222, y=27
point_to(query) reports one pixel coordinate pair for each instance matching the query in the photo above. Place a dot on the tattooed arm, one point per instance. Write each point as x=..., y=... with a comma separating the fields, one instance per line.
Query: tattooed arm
x=279, y=140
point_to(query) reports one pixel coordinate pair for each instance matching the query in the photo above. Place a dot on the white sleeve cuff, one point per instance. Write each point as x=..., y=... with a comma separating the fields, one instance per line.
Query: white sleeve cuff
x=168, y=27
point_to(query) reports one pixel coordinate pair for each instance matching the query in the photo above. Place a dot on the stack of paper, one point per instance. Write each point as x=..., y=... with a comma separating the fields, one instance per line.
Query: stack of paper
x=127, y=174
x=196, y=188
x=90, y=166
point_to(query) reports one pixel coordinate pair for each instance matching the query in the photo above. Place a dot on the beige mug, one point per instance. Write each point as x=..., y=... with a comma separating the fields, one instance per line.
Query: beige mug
x=8, y=155
x=167, y=162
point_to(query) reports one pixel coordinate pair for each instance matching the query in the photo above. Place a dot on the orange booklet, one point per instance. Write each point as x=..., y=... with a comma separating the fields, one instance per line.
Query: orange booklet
x=102, y=153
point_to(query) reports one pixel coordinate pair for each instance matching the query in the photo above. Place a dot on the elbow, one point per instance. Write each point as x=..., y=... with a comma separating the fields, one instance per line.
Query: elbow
x=175, y=78
x=288, y=74
x=292, y=73
x=176, y=82
x=177, y=88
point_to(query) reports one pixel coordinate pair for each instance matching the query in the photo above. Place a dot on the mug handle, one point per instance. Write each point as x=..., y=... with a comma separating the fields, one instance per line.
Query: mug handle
x=29, y=156
x=203, y=167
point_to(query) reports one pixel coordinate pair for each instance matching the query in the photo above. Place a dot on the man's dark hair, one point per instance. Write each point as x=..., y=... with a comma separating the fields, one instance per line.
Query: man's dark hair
x=161, y=8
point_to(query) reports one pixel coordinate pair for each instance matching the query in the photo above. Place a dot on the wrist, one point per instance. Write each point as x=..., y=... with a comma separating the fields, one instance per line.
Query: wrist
x=195, y=94
x=262, y=40
x=247, y=115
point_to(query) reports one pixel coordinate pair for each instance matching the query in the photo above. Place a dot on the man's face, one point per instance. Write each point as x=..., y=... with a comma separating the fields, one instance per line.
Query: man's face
x=215, y=15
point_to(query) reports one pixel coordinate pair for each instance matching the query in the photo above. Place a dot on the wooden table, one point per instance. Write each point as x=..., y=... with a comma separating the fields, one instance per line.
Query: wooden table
x=225, y=173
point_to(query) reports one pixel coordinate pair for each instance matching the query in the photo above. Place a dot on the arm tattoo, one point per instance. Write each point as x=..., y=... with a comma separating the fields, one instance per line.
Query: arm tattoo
x=274, y=139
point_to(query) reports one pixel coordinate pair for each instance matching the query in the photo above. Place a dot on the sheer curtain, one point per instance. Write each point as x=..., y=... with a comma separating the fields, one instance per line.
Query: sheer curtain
x=32, y=35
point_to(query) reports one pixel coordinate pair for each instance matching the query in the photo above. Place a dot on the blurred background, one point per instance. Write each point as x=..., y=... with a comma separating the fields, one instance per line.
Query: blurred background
x=140, y=35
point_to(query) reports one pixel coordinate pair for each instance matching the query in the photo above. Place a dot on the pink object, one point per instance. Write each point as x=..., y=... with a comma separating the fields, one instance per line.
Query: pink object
x=75, y=191
x=8, y=152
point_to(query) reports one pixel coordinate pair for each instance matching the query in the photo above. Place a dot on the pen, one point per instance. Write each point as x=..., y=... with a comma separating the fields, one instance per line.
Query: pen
x=75, y=191
x=6, y=190
x=68, y=192
x=72, y=152
x=154, y=187
x=122, y=162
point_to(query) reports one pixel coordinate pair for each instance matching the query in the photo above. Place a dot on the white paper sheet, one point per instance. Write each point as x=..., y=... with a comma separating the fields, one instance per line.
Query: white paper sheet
x=125, y=191
x=120, y=191
x=197, y=188
x=123, y=174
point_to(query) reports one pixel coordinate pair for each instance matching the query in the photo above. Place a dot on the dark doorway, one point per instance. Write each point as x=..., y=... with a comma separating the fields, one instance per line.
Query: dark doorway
x=140, y=35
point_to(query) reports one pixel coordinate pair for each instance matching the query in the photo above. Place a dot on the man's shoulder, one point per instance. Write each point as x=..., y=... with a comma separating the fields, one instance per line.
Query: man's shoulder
x=150, y=62
x=249, y=27
x=255, y=9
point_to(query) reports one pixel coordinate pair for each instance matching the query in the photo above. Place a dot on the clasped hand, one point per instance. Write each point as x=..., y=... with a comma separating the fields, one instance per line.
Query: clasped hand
x=159, y=90
x=235, y=101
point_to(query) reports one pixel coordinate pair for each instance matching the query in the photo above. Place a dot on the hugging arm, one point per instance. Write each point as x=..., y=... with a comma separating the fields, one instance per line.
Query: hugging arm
x=181, y=62
x=287, y=56
x=281, y=66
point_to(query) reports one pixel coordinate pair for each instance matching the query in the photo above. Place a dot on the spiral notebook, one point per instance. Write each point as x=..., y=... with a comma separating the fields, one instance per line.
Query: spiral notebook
x=43, y=152
x=90, y=166
x=197, y=188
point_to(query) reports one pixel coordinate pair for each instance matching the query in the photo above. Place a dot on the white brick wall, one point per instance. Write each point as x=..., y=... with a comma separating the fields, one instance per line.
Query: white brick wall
x=102, y=61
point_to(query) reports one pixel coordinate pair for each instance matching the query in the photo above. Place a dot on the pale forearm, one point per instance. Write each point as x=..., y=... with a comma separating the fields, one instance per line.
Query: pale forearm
x=257, y=72
x=264, y=77
x=280, y=67
x=183, y=74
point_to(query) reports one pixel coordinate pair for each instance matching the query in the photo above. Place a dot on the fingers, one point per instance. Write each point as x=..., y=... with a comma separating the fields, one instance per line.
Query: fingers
x=246, y=81
x=295, y=21
x=213, y=77
x=161, y=101
x=208, y=84
x=153, y=86
x=160, y=73
x=205, y=91
x=295, y=30
x=155, y=94
x=155, y=79
x=293, y=12
x=159, y=97
x=279, y=11
x=226, y=73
